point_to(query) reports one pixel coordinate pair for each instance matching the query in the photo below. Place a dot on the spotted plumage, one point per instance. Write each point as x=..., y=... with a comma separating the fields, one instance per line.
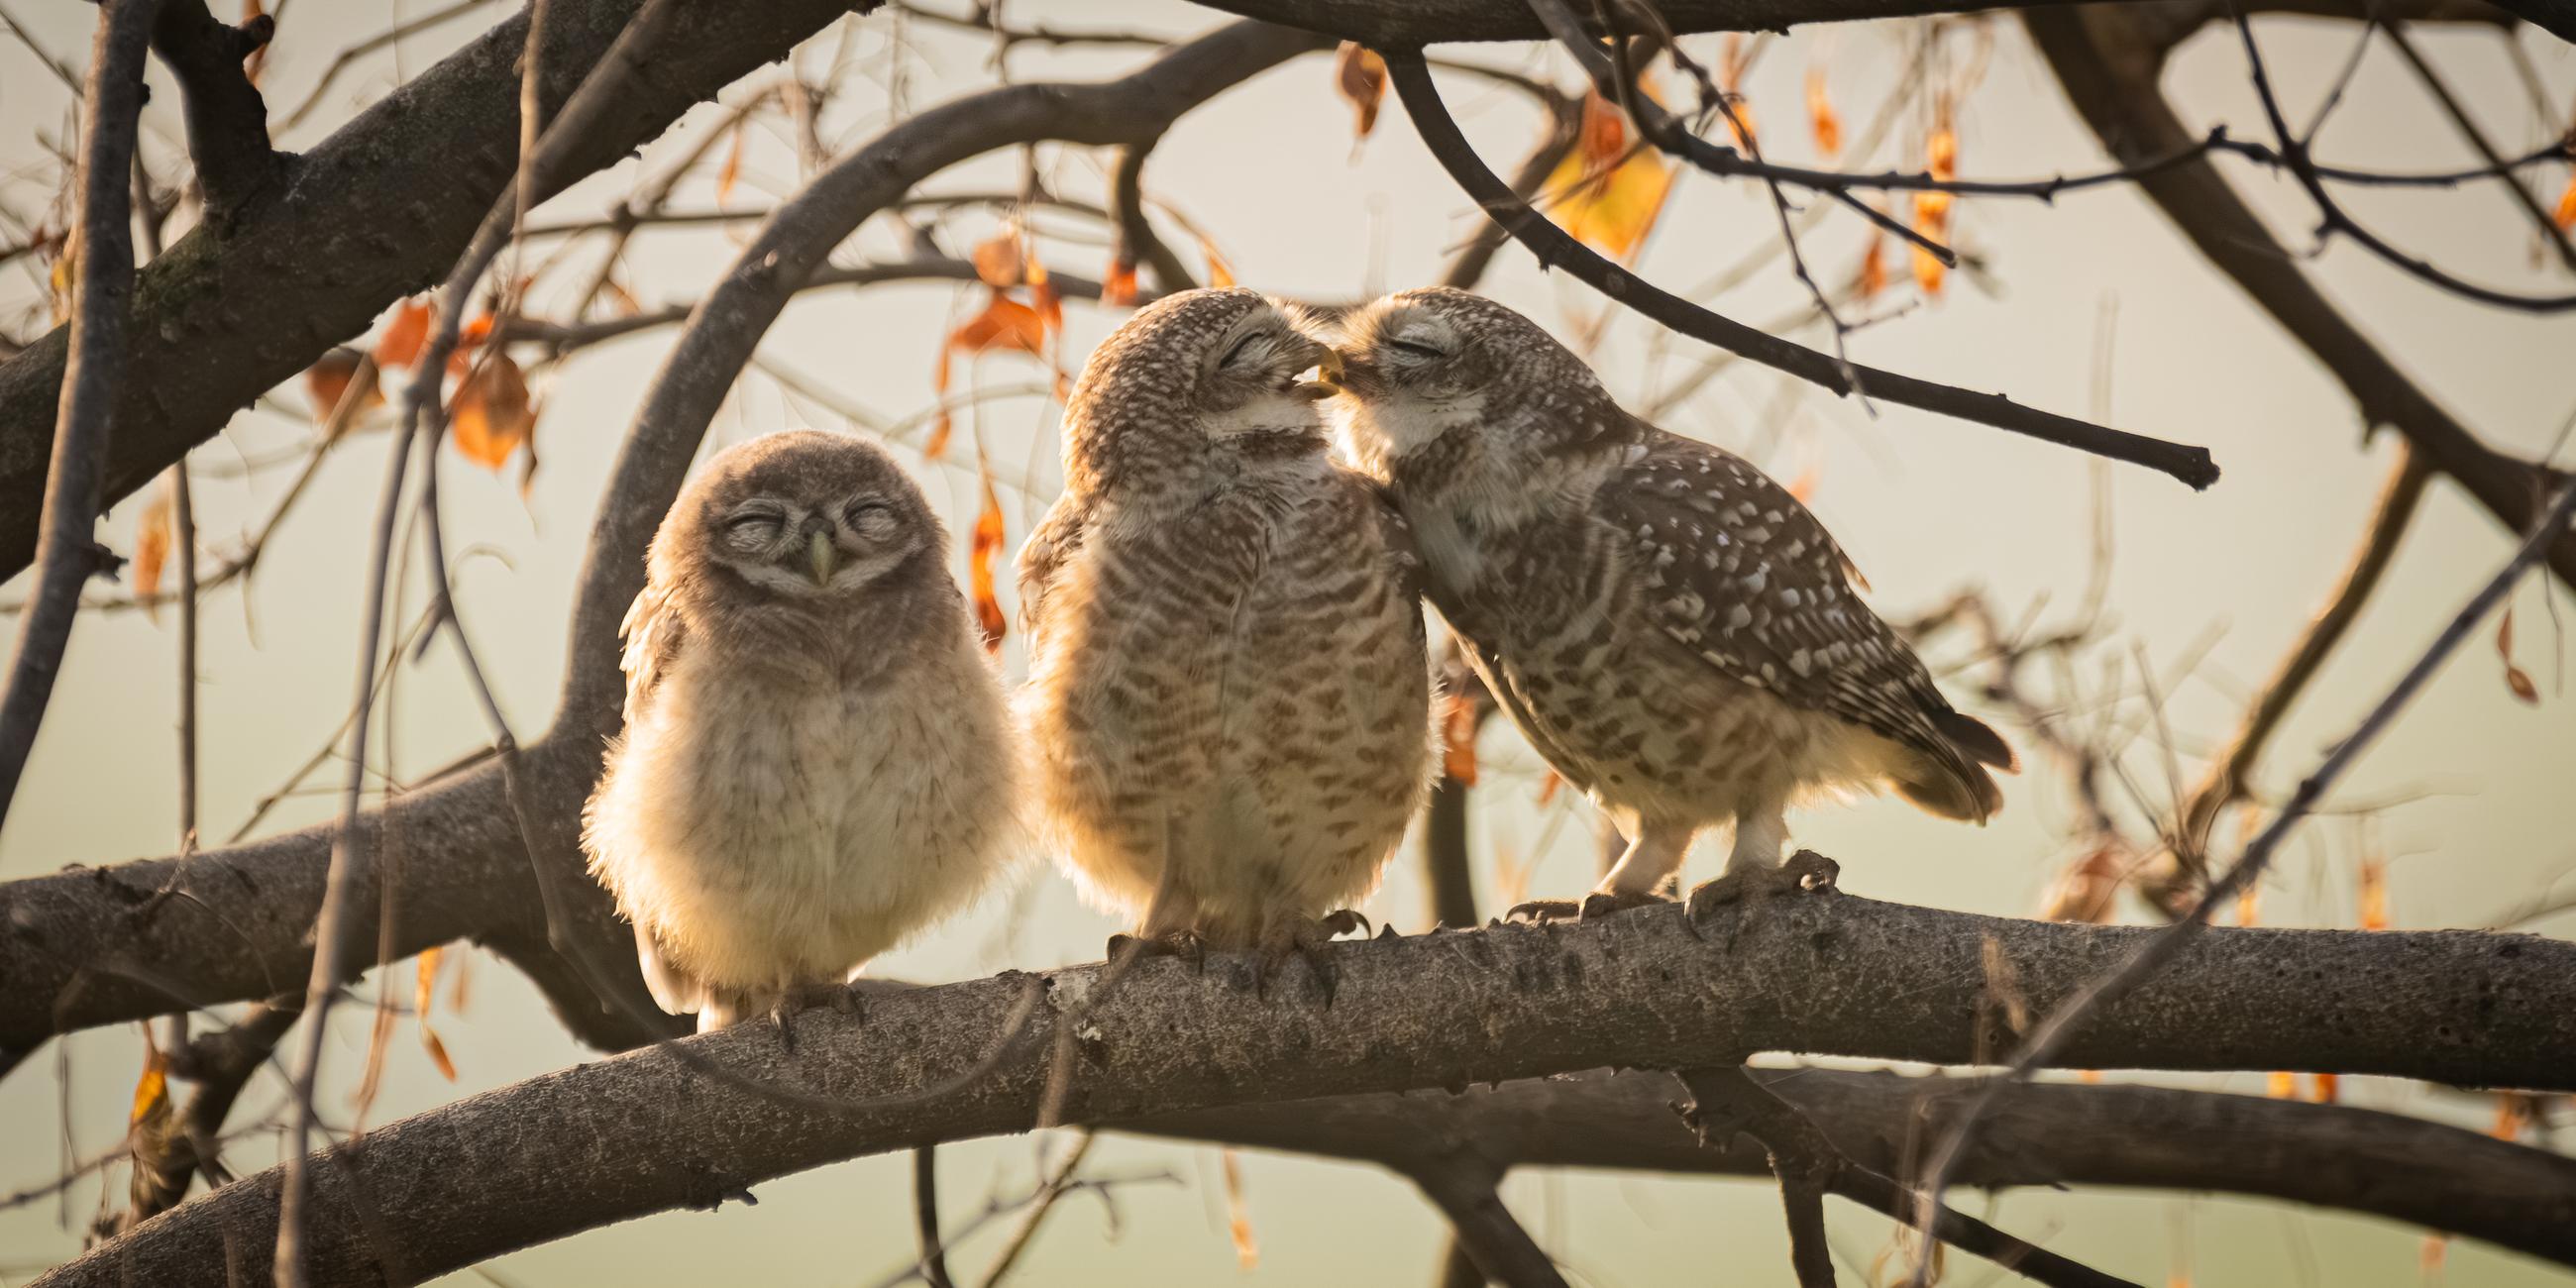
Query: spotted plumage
x=1228, y=702
x=1672, y=630
x=816, y=761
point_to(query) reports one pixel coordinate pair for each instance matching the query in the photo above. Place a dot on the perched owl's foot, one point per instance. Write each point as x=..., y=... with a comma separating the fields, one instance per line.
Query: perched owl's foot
x=827, y=995
x=1598, y=904
x=1184, y=944
x=1304, y=939
x=1804, y=872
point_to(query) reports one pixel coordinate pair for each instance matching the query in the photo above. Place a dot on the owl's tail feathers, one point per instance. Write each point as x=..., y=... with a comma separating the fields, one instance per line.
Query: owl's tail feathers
x=1952, y=781
x=673, y=989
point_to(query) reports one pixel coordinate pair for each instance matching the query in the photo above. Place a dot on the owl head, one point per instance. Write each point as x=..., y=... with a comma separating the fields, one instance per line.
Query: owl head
x=1190, y=376
x=1417, y=365
x=800, y=517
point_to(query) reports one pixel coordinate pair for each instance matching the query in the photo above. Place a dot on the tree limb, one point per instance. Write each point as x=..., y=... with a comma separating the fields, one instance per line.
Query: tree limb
x=227, y=118
x=1485, y=1229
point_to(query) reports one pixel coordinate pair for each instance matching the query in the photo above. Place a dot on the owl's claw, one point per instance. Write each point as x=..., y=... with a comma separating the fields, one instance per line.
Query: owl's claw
x=1304, y=940
x=1805, y=872
x=1343, y=922
x=1594, y=906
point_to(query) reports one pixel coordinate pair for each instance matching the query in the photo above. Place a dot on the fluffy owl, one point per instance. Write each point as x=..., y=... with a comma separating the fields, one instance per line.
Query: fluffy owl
x=1228, y=702
x=817, y=758
x=1672, y=630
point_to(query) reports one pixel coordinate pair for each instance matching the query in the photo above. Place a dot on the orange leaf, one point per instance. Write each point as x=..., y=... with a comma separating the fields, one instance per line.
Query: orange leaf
x=1118, y=286
x=2565, y=215
x=983, y=550
x=1604, y=136
x=732, y=168
x=2436, y=1250
x=1872, y=277
x=2513, y=1116
x=2515, y=678
x=2324, y=1088
x=1042, y=295
x=1458, y=739
x=1820, y=115
x=1602, y=194
x=2374, y=894
x=400, y=345
x=152, y=1090
x=422, y=996
x=491, y=415
x=1360, y=76
x=1004, y=325
x=1238, y=1213
x=1740, y=122
x=1547, y=788
x=2282, y=1086
x=151, y=547
x=935, y=448
x=326, y=382
x=468, y=338
x=2247, y=904
x=1220, y=273
x=999, y=259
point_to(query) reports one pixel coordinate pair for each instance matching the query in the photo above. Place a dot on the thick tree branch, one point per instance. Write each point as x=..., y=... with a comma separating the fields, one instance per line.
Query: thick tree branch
x=227, y=118
x=2109, y=60
x=1557, y=249
x=97, y=359
x=1486, y=1230
x=377, y=212
x=1638, y=990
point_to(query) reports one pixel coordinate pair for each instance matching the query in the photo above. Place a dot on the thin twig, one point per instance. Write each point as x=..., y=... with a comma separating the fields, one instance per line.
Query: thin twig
x=2458, y=113
x=67, y=553
x=925, y=1217
x=1554, y=247
x=2053, y=1032
x=1040, y=1204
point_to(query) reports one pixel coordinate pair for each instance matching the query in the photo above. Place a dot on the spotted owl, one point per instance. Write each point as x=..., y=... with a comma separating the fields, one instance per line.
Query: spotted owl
x=1228, y=704
x=1672, y=630
x=817, y=759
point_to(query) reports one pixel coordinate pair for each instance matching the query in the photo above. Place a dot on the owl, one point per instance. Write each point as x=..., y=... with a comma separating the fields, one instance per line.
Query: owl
x=1228, y=703
x=1672, y=630
x=817, y=760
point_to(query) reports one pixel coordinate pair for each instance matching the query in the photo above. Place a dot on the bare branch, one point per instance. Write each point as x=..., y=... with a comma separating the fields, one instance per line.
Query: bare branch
x=227, y=118
x=1484, y=1227
x=1556, y=249
x=95, y=369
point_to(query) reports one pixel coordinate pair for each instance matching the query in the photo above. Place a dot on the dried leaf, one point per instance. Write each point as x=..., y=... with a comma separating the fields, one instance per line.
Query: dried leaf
x=2248, y=903
x=151, y=548
x=983, y=550
x=2088, y=890
x=1604, y=195
x=64, y=275
x=1548, y=784
x=1359, y=75
x=1220, y=273
x=1872, y=277
x=935, y=447
x=2436, y=1251
x=1042, y=295
x=1932, y=209
x=1006, y=326
x=2514, y=1114
x=1828, y=127
x=1458, y=738
x=1118, y=286
x=422, y=997
x=400, y=345
x=1238, y=1214
x=152, y=1090
x=326, y=382
x=2282, y=1086
x=999, y=259
x=491, y=415
x=2515, y=678
x=2374, y=894
x=2325, y=1088
x=732, y=168
x=2565, y=215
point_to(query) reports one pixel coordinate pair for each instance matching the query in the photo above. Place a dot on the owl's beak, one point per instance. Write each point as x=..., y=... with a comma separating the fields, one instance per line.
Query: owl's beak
x=1327, y=381
x=824, y=557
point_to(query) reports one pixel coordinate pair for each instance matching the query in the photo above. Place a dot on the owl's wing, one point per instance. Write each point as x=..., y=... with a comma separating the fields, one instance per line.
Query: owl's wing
x=653, y=630
x=1054, y=541
x=1403, y=556
x=1738, y=571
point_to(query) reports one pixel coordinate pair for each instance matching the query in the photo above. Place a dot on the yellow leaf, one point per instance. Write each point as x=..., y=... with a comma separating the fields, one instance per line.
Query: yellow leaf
x=151, y=548
x=983, y=550
x=1220, y=273
x=152, y=1090
x=1458, y=739
x=1360, y=77
x=1821, y=116
x=491, y=415
x=1603, y=194
x=2565, y=215
x=423, y=995
x=2282, y=1086
x=1247, y=1252
x=400, y=345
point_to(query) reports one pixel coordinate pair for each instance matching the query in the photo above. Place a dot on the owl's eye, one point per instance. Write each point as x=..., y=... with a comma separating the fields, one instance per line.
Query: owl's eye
x=872, y=519
x=1237, y=350
x=755, y=526
x=1415, y=350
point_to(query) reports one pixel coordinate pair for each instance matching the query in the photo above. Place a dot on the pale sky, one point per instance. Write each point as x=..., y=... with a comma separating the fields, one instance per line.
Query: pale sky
x=2209, y=587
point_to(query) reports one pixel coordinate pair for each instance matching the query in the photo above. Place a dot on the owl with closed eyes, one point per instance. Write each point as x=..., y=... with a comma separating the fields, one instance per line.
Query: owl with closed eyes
x=817, y=759
x=1672, y=630
x=1228, y=705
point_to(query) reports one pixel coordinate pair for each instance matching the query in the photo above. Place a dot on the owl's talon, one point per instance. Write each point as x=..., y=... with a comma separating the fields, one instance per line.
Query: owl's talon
x=1603, y=903
x=1805, y=872
x=1184, y=944
x=1343, y=922
x=841, y=999
x=1542, y=911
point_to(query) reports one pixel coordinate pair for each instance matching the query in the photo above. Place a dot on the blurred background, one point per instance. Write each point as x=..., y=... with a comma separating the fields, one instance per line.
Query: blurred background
x=2091, y=306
